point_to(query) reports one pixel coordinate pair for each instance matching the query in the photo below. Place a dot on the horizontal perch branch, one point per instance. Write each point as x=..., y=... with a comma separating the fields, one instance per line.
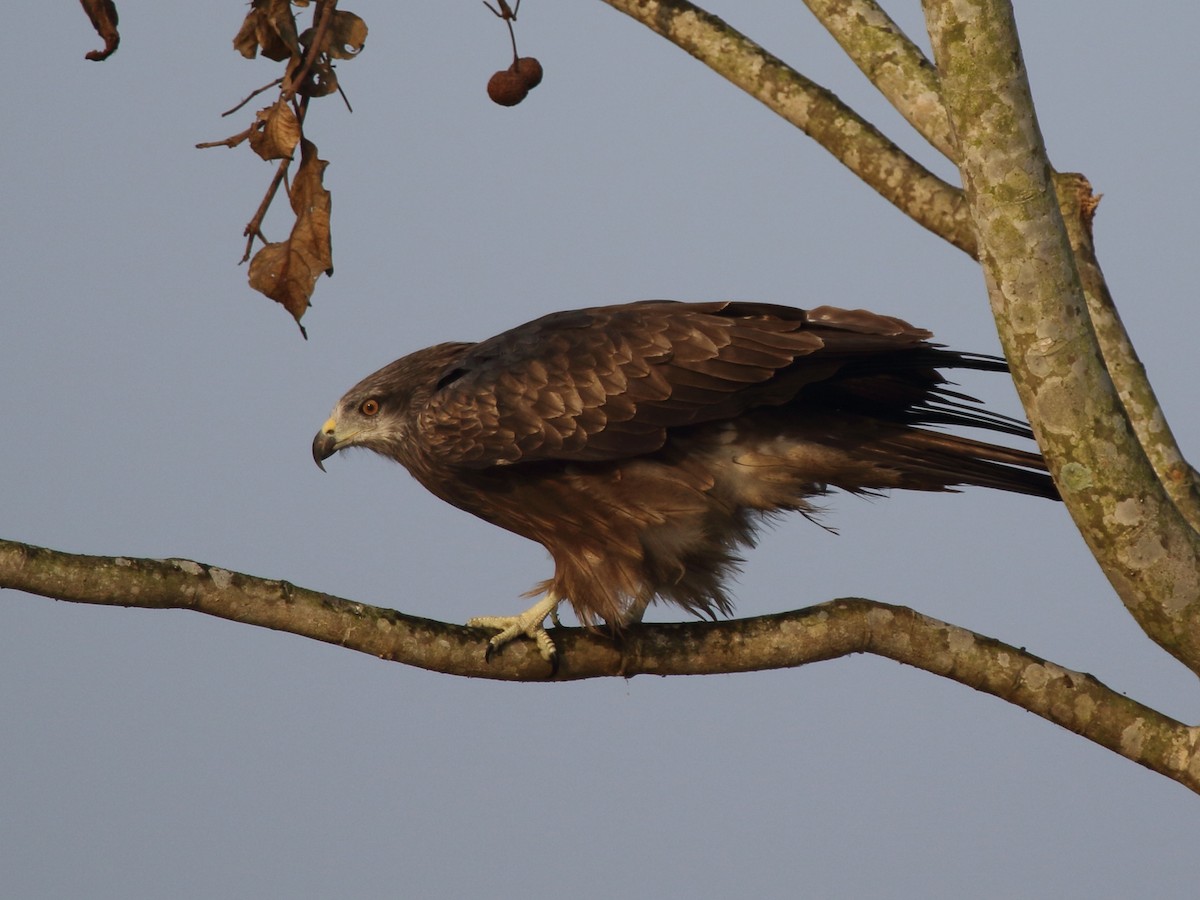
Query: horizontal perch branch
x=837, y=628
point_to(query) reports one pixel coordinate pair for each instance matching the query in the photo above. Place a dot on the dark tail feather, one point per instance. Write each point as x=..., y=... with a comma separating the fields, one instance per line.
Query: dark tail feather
x=908, y=389
x=937, y=461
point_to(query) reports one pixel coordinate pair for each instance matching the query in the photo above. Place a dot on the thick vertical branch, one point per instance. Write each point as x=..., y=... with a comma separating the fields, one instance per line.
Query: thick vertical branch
x=1147, y=550
x=898, y=68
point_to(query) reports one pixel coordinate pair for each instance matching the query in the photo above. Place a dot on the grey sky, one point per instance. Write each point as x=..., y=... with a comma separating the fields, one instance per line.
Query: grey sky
x=157, y=407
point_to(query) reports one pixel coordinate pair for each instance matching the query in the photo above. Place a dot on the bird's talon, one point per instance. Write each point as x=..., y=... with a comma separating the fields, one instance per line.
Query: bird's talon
x=528, y=623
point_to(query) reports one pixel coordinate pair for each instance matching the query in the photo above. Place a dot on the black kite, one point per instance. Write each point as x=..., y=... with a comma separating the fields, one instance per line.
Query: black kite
x=643, y=444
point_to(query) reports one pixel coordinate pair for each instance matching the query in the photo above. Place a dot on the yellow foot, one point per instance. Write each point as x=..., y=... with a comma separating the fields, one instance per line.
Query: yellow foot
x=528, y=623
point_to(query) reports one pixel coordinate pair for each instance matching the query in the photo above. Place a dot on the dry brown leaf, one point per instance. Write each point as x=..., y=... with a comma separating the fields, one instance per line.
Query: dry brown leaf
x=345, y=37
x=287, y=271
x=245, y=41
x=311, y=203
x=270, y=26
x=103, y=14
x=275, y=132
x=319, y=77
x=320, y=80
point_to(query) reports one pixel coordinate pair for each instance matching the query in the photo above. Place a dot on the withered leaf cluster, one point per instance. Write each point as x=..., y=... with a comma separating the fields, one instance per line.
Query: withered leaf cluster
x=270, y=29
x=287, y=271
x=270, y=26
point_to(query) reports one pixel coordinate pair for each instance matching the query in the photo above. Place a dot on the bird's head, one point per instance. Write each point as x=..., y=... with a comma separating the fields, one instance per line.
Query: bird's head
x=371, y=414
x=350, y=426
x=378, y=412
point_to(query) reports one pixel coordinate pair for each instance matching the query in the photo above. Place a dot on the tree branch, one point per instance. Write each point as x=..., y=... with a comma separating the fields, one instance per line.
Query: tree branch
x=898, y=68
x=1076, y=701
x=892, y=62
x=816, y=111
x=1146, y=548
x=1078, y=205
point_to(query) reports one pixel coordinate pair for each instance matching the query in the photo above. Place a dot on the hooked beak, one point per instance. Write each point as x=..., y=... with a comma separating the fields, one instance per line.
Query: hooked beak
x=325, y=444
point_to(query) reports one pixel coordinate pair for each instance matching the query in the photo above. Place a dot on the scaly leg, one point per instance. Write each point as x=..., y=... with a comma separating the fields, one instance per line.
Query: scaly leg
x=528, y=623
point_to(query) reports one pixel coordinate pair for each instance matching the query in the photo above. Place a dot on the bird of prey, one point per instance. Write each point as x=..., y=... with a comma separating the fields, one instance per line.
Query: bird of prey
x=643, y=444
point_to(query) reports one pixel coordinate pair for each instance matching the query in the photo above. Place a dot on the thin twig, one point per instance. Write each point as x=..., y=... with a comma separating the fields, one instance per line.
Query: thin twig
x=345, y=99
x=509, y=15
x=254, y=227
x=231, y=141
x=251, y=96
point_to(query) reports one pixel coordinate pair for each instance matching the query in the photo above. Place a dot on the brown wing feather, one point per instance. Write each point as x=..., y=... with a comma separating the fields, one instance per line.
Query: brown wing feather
x=605, y=383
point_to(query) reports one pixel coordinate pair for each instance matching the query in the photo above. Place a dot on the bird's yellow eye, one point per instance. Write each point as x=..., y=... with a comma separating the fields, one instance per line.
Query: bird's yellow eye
x=369, y=407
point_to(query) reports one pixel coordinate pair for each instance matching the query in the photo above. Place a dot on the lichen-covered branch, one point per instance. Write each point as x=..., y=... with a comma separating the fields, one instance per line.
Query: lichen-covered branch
x=1078, y=205
x=816, y=111
x=892, y=62
x=898, y=68
x=1076, y=701
x=1133, y=496
x=1145, y=546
